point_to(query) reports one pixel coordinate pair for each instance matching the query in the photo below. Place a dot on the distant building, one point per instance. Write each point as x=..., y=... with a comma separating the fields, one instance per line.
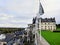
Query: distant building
x=46, y=23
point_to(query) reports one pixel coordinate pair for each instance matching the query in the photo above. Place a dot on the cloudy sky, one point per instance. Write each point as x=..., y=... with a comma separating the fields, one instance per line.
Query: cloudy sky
x=19, y=13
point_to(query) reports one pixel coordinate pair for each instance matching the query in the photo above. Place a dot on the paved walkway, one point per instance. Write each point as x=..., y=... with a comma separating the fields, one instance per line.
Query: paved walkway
x=41, y=41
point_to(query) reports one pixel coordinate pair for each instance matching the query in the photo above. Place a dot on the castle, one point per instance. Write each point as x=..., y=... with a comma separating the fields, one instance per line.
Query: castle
x=45, y=23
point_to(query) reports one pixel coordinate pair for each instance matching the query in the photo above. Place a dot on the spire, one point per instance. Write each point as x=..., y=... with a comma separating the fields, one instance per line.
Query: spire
x=41, y=10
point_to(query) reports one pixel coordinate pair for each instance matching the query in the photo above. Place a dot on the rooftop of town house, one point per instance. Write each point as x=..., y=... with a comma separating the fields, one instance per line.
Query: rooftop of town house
x=10, y=36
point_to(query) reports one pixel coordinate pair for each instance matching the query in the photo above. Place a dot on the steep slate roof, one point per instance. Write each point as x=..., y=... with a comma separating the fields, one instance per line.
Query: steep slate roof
x=48, y=20
x=44, y=20
x=19, y=32
x=34, y=20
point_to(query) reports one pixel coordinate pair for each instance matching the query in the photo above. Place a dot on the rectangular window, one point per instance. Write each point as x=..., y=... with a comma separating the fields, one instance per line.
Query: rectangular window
x=45, y=27
x=45, y=23
x=48, y=23
x=51, y=27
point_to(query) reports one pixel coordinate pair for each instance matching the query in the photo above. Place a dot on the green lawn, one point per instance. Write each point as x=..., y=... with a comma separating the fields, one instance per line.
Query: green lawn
x=52, y=37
